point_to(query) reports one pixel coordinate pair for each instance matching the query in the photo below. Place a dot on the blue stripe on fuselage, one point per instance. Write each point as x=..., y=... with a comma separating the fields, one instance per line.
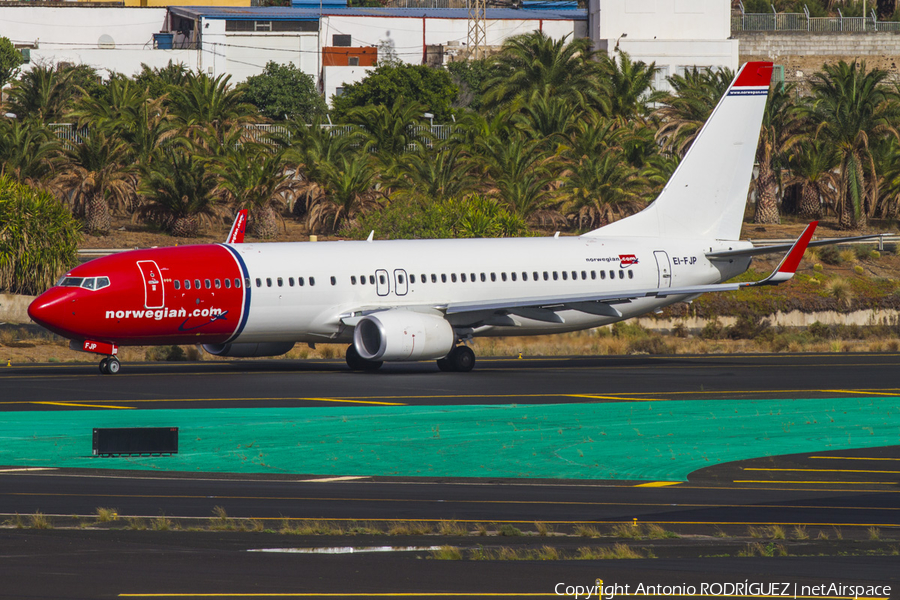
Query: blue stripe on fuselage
x=246, y=315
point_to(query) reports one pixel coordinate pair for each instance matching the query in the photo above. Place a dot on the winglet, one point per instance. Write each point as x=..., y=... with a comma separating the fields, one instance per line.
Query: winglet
x=788, y=265
x=236, y=235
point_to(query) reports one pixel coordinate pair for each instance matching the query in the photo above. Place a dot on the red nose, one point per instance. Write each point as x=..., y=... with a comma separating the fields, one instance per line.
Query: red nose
x=54, y=310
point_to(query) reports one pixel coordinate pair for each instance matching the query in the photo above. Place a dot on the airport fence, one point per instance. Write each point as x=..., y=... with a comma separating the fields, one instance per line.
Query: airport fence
x=774, y=21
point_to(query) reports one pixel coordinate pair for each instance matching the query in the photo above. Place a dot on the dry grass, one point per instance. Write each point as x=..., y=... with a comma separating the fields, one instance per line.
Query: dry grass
x=800, y=532
x=587, y=531
x=767, y=551
x=874, y=533
x=137, y=524
x=452, y=528
x=40, y=521
x=447, y=553
x=221, y=521
x=543, y=529
x=410, y=528
x=162, y=523
x=656, y=532
x=624, y=530
x=619, y=551
x=106, y=515
x=310, y=528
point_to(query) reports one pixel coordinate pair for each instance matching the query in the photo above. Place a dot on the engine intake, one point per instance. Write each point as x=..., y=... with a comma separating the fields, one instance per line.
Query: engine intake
x=401, y=334
x=247, y=350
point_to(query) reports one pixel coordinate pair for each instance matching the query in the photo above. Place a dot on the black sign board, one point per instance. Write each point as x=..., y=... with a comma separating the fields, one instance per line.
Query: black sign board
x=135, y=440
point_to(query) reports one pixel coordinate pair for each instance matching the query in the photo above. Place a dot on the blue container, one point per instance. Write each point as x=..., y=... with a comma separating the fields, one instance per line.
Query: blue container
x=163, y=41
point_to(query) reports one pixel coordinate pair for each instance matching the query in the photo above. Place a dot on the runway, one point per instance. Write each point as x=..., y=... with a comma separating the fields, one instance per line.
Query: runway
x=841, y=410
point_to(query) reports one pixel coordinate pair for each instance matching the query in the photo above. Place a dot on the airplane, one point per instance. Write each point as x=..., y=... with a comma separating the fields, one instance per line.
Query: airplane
x=415, y=300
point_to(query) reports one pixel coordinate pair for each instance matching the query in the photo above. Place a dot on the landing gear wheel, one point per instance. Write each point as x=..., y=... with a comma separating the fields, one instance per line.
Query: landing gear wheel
x=113, y=366
x=358, y=363
x=104, y=366
x=444, y=364
x=462, y=359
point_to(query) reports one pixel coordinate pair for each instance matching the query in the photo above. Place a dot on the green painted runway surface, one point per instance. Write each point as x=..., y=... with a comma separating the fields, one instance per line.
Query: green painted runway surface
x=625, y=440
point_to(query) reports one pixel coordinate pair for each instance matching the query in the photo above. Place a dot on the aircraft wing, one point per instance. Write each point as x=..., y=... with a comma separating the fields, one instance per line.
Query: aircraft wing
x=543, y=308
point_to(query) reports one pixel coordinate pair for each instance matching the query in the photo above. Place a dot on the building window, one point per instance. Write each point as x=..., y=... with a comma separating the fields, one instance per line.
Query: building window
x=353, y=61
x=341, y=40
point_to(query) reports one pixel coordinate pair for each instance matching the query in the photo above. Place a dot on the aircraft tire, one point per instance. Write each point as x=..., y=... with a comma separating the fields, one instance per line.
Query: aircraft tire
x=113, y=366
x=462, y=359
x=354, y=360
x=444, y=364
x=103, y=366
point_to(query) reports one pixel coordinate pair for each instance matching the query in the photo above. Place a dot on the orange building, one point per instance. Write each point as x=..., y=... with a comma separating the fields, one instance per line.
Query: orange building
x=346, y=56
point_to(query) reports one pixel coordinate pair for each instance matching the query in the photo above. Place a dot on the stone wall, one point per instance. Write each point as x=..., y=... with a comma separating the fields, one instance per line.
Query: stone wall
x=14, y=308
x=802, y=54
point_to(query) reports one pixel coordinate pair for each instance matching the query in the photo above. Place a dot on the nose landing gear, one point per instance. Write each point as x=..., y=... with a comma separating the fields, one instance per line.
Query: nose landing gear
x=110, y=366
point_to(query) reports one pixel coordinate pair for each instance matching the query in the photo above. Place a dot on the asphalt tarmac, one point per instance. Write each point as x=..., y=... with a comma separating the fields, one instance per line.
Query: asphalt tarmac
x=845, y=493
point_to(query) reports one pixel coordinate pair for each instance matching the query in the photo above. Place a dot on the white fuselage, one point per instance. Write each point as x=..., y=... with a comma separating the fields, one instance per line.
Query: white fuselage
x=435, y=273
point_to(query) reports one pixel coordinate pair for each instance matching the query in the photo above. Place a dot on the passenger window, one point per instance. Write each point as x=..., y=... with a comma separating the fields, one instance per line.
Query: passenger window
x=381, y=279
x=574, y=275
x=300, y=281
x=593, y=274
x=535, y=275
x=462, y=277
x=555, y=276
x=218, y=283
x=258, y=282
x=483, y=278
x=268, y=282
x=621, y=274
x=493, y=277
x=473, y=277
x=312, y=281
x=412, y=278
x=187, y=284
x=196, y=284
x=353, y=280
x=524, y=275
x=584, y=275
x=602, y=274
x=280, y=282
x=371, y=280
x=333, y=280
x=400, y=278
x=362, y=280
x=207, y=283
x=227, y=284
x=546, y=276
x=177, y=284
x=612, y=274
x=443, y=278
x=503, y=276
x=564, y=274
x=453, y=277
x=630, y=274
x=290, y=281
x=424, y=278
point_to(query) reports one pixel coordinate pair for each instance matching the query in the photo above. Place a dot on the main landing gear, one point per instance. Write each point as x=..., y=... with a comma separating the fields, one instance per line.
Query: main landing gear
x=461, y=359
x=110, y=366
x=358, y=363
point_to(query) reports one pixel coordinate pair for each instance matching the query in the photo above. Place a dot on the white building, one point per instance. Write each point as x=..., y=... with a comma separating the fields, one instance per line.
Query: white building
x=676, y=34
x=110, y=39
x=239, y=41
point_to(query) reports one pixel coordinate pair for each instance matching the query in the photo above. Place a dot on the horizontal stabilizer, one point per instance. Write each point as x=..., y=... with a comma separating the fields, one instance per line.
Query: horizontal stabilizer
x=778, y=248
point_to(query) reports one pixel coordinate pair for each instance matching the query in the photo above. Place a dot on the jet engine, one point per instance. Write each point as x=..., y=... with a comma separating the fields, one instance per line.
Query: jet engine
x=400, y=334
x=247, y=350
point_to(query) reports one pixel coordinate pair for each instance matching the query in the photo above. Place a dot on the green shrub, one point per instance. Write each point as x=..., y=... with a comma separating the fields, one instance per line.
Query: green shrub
x=830, y=255
x=38, y=239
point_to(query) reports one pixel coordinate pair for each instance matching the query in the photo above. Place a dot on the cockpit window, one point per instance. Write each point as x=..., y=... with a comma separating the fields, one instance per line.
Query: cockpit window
x=87, y=283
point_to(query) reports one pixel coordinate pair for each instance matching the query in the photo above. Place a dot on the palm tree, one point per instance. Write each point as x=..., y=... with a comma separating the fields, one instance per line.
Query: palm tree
x=536, y=62
x=253, y=177
x=599, y=188
x=437, y=175
x=44, y=93
x=683, y=113
x=28, y=151
x=179, y=190
x=812, y=166
x=630, y=86
x=850, y=108
x=782, y=127
x=347, y=184
x=519, y=172
x=97, y=175
x=547, y=119
x=211, y=107
x=390, y=131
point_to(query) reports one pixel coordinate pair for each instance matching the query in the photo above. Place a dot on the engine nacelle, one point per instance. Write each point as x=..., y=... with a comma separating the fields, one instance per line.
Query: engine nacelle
x=400, y=334
x=248, y=350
